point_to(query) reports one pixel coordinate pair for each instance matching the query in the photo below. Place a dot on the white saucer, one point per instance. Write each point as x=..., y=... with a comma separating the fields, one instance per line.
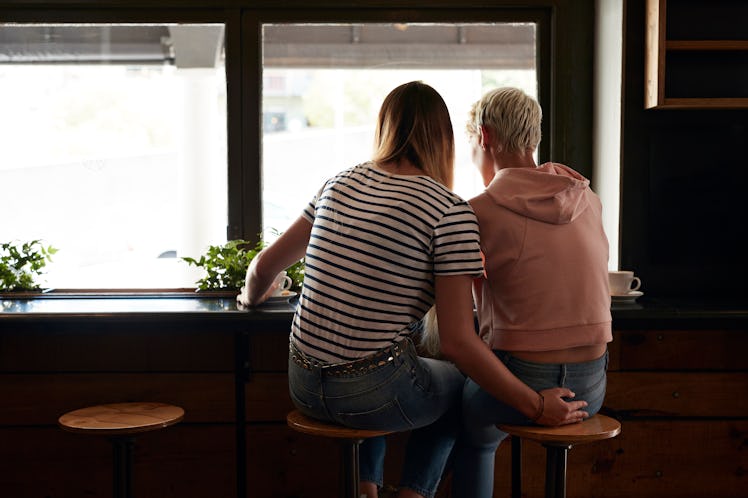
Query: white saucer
x=629, y=297
x=280, y=299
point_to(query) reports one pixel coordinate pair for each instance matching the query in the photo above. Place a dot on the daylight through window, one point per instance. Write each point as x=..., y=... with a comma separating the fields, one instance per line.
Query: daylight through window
x=114, y=149
x=323, y=85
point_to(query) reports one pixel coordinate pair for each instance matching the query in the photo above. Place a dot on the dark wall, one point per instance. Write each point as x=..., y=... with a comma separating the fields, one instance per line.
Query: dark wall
x=684, y=205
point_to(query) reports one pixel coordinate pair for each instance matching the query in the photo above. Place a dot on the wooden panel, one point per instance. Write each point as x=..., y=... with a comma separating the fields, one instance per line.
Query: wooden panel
x=684, y=459
x=268, y=351
x=30, y=399
x=654, y=53
x=719, y=31
x=267, y=397
x=705, y=103
x=680, y=350
x=123, y=348
x=205, y=397
x=278, y=456
x=703, y=45
x=592, y=470
x=614, y=352
x=707, y=74
x=677, y=394
x=649, y=459
x=180, y=462
x=661, y=457
x=285, y=463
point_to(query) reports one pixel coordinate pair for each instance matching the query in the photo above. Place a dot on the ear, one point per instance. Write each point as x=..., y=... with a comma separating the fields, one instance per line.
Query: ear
x=485, y=136
x=489, y=138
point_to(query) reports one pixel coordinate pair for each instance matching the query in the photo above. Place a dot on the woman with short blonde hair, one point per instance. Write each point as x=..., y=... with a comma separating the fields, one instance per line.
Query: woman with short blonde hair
x=543, y=302
x=512, y=115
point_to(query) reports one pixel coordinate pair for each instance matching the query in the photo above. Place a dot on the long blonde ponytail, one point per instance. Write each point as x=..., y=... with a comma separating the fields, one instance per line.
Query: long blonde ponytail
x=430, y=334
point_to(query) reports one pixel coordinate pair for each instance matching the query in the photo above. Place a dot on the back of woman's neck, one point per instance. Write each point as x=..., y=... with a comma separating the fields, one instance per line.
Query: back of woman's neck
x=515, y=160
x=400, y=167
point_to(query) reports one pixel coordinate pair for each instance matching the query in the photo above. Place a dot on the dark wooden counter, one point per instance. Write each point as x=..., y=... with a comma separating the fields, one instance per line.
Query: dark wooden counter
x=680, y=312
x=178, y=306
x=223, y=309
x=199, y=352
x=677, y=380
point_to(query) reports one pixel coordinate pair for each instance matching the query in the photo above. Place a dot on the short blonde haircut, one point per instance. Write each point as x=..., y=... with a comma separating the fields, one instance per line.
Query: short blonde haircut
x=512, y=115
x=414, y=124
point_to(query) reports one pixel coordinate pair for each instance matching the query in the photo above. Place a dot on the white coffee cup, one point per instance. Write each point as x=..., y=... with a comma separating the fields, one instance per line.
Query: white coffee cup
x=623, y=282
x=281, y=284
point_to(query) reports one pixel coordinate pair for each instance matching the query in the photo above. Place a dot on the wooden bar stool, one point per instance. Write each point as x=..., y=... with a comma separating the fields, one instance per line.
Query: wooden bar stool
x=557, y=441
x=350, y=440
x=120, y=422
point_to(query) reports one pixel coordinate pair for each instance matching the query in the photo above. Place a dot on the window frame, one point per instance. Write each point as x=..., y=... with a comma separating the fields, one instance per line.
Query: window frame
x=253, y=20
x=230, y=18
x=564, y=68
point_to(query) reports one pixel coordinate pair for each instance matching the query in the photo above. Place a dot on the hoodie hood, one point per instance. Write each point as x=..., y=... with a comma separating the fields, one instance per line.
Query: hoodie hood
x=551, y=193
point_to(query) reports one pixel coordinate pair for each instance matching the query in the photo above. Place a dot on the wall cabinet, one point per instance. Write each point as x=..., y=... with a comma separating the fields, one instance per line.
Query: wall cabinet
x=696, y=54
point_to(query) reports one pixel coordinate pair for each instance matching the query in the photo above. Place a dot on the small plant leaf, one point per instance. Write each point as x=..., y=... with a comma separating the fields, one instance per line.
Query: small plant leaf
x=226, y=266
x=22, y=264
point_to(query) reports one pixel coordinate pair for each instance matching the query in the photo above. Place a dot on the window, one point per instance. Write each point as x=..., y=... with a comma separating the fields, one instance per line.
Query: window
x=114, y=148
x=323, y=85
x=188, y=149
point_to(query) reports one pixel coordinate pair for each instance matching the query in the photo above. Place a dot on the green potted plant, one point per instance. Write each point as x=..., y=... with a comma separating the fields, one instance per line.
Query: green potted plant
x=226, y=266
x=22, y=265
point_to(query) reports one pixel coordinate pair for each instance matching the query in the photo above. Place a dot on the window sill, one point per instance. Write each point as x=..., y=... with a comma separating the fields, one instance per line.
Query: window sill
x=116, y=293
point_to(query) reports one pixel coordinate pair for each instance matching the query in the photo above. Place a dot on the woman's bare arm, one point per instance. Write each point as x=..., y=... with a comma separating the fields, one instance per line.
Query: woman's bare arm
x=461, y=345
x=289, y=248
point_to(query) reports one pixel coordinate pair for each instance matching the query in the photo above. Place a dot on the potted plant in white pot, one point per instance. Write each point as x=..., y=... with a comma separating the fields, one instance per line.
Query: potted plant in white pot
x=226, y=266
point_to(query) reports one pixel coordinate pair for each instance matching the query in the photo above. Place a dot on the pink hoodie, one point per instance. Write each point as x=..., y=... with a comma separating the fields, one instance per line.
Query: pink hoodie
x=546, y=285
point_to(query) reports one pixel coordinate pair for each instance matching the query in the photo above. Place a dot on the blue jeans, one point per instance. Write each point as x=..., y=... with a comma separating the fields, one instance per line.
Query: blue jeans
x=407, y=393
x=475, y=451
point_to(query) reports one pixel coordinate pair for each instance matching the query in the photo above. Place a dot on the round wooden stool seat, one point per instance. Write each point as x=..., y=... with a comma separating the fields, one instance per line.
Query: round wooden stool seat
x=301, y=423
x=121, y=422
x=557, y=441
x=595, y=428
x=350, y=440
x=121, y=418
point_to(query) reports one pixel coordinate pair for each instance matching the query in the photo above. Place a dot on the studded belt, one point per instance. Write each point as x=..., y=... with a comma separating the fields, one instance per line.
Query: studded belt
x=352, y=368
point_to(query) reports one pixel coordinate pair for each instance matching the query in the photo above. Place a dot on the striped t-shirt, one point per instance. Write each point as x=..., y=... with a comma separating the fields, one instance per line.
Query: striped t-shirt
x=376, y=244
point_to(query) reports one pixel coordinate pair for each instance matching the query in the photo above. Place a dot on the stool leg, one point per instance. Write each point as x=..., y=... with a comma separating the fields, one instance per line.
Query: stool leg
x=516, y=467
x=122, y=469
x=555, y=471
x=351, y=469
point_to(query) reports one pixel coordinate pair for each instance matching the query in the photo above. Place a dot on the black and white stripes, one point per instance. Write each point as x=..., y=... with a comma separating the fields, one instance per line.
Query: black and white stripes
x=376, y=244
